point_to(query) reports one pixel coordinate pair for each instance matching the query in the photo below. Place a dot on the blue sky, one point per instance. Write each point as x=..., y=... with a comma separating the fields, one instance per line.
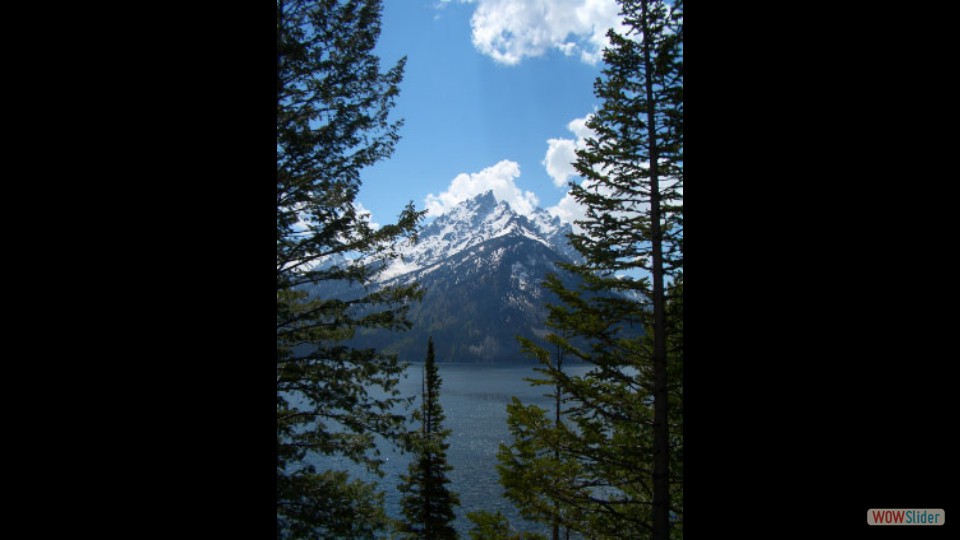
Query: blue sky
x=491, y=89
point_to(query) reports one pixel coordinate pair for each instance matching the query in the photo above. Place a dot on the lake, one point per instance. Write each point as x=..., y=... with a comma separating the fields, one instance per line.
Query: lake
x=474, y=399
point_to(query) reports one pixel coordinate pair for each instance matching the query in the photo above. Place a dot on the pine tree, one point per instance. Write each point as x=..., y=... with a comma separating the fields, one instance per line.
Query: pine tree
x=619, y=446
x=427, y=502
x=494, y=526
x=533, y=470
x=333, y=103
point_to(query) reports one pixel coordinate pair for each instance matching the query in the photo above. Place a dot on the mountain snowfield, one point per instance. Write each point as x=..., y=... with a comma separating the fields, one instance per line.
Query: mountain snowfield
x=481, y=265
x=470, y=224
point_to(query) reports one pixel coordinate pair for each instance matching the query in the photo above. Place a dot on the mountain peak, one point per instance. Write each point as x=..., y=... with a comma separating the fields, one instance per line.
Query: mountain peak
x=473, y=222
x=481, y=264
x=486, y=196
x=482, y=203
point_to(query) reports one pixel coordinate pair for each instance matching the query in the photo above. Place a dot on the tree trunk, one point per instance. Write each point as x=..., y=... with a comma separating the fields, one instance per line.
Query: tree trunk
x=661, y=464
x=556, y=505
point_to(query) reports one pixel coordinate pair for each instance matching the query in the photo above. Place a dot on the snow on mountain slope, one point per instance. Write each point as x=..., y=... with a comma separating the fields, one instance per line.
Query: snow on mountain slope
x=474, y=222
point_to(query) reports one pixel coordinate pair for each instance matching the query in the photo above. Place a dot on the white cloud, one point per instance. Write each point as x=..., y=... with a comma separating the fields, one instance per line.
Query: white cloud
x=510, y=30
x=559, y=160
x=559, y=165
x=561, y=152
x=598, y=16
x=579, y=128
x=366, y=215
x=500, y=178
x=569, y=211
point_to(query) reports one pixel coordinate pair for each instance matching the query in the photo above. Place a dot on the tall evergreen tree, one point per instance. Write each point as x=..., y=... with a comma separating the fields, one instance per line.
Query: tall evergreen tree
x=533, y=469
x=427, y=501
x=333, y=103
x=620, y=444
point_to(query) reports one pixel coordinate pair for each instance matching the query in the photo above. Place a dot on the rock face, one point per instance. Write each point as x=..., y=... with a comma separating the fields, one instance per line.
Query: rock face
x=475, y=222
x=481, y=265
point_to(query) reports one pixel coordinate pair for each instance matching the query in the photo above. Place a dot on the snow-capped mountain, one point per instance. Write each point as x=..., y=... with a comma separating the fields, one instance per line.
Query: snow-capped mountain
x=481, y=266
x=470, y=224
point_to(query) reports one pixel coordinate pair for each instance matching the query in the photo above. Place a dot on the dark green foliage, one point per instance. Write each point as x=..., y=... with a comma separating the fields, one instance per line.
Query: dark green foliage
x=592, y=471
x=532, y=469
x=611, y=467
x=346, y=508
x=494, y=526
x=427, y=502
x=675, y=375
x=332, y=107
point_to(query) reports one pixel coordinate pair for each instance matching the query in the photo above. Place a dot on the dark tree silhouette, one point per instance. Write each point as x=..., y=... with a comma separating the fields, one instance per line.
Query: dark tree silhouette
x=427, y=501
x=615, y=457
x=332, y=121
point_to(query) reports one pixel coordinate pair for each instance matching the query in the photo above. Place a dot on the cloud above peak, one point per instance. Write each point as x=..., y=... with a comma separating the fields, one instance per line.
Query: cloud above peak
x=499, y=178
x=561, y=153
x=510, y=30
